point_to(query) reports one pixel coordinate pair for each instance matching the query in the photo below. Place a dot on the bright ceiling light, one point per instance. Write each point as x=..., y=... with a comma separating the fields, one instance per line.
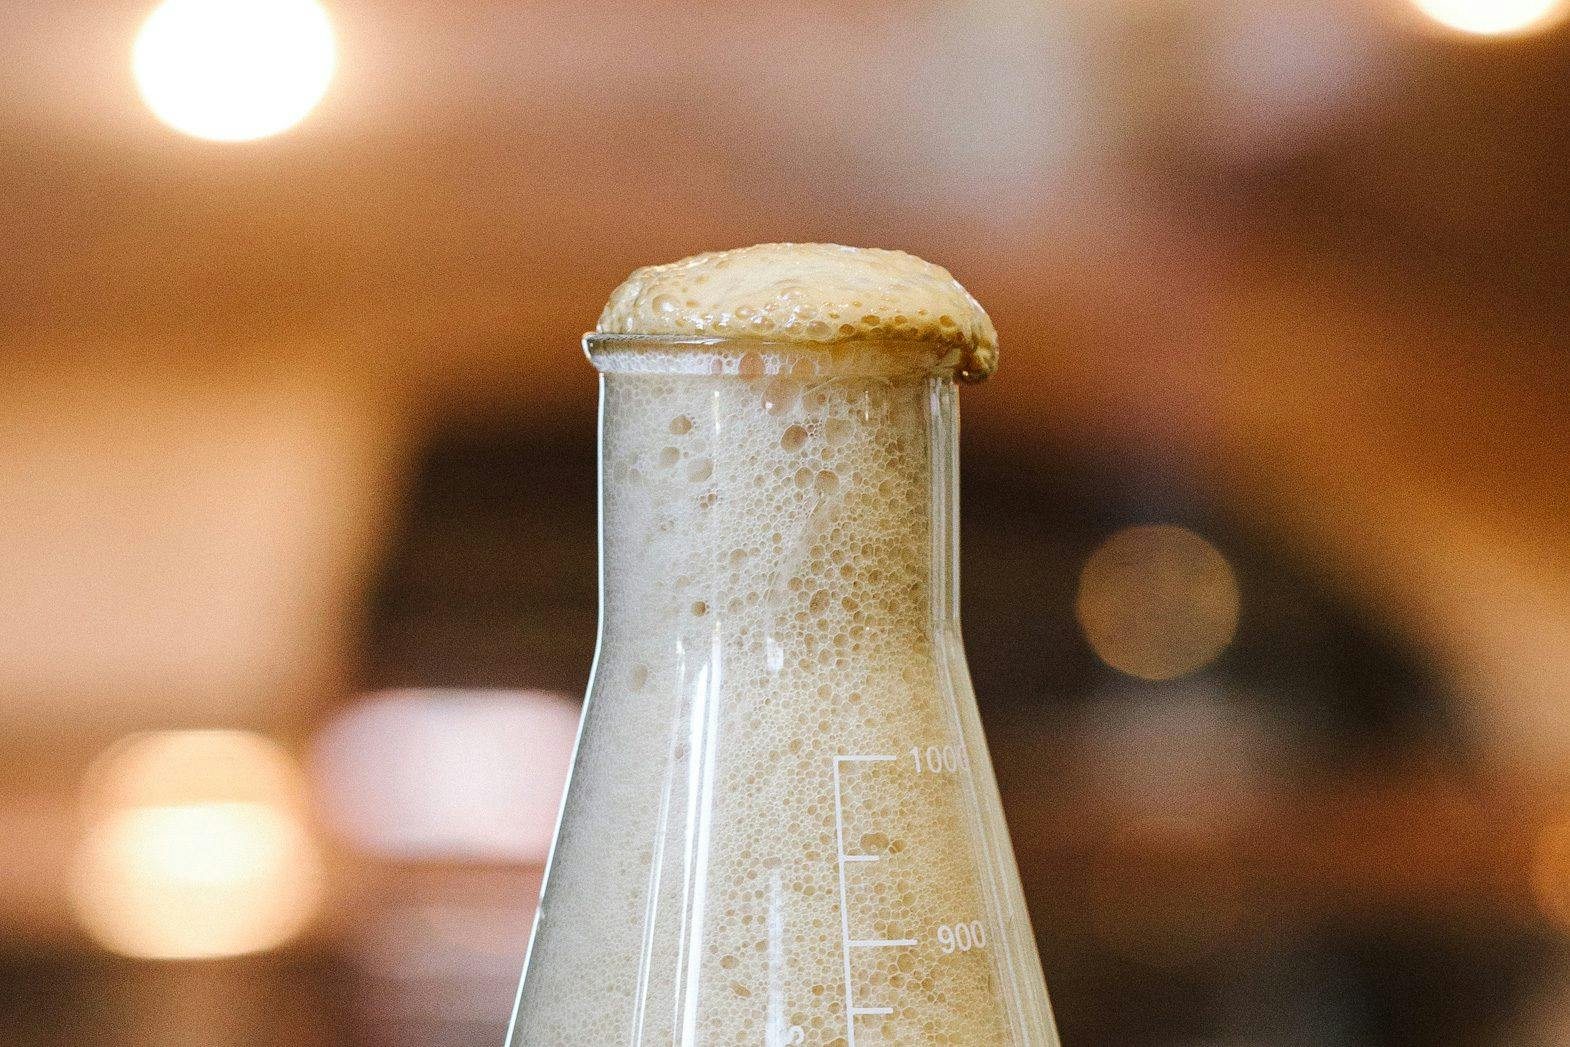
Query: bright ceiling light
x=1493, y=17
x=234, y=70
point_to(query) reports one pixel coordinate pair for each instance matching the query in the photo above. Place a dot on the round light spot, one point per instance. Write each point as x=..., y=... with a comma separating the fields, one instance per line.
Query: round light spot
x=1157, y=602
x=1493, y=17
x=234, y=70
x=195, y=848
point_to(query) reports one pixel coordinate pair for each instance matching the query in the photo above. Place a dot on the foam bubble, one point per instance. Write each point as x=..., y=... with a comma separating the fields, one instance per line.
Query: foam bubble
x=806, y=293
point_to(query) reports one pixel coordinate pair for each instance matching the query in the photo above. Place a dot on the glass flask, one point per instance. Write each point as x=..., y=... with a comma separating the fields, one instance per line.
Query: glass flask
x=782, y=825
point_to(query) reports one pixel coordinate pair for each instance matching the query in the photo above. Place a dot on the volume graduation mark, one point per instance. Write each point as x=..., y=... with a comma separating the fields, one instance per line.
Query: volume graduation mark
x=852, y=1011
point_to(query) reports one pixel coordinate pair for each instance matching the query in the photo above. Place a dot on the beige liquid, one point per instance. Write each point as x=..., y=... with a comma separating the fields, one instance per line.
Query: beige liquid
x=772, y=610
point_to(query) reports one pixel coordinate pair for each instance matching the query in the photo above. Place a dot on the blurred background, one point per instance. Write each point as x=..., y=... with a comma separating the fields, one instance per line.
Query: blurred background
x=1267, y=581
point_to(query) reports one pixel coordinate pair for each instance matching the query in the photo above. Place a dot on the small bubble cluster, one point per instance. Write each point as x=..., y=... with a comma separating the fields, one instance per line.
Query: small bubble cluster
x=768, y=558
x=806, y=293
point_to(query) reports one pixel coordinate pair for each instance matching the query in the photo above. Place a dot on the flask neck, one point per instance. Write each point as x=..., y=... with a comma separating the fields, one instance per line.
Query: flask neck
x=771, y=506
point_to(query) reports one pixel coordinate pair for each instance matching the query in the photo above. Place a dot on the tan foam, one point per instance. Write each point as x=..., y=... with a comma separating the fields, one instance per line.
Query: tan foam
x=806, y=293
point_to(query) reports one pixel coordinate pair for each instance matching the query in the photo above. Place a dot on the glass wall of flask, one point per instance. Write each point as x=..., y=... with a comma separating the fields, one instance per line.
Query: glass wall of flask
x=782, y=825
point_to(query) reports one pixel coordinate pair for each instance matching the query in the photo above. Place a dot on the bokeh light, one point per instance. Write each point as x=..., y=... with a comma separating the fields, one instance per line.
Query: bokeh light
x=1493, y=17
x=195, y=847
x=234, y=70
x=448, y=774
x=1157, y=602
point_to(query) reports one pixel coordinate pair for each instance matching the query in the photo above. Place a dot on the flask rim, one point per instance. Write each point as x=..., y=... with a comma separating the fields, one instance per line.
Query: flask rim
x=699, y=356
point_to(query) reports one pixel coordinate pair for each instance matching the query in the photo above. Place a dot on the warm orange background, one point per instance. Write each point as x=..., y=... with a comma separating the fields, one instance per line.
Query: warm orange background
x=288, y=421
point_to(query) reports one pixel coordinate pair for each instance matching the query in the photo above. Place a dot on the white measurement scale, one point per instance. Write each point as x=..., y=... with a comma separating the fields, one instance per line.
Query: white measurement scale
x=961, y=936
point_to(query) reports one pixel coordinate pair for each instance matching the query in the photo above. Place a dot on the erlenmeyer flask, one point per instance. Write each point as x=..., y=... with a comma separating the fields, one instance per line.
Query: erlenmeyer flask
x=782, y=825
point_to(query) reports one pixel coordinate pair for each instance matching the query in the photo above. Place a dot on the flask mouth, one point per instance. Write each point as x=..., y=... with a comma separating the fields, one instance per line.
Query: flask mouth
x=886, y=358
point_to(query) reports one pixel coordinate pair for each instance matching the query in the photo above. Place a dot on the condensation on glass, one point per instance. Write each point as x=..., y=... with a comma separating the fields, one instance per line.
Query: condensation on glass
x=782, y=825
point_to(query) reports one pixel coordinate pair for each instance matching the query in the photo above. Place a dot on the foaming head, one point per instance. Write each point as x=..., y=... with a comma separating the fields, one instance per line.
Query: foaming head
x=820, y=294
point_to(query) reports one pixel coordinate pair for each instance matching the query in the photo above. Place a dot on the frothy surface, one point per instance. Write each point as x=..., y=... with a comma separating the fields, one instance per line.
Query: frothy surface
x=806, y=293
